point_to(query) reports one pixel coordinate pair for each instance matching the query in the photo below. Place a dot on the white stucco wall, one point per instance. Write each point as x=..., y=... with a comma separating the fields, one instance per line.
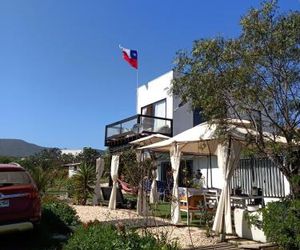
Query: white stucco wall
x=72, y=171
x=154, y=91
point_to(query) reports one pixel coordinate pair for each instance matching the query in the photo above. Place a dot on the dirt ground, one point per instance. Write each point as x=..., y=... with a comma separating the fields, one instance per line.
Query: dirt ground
x=187, y=237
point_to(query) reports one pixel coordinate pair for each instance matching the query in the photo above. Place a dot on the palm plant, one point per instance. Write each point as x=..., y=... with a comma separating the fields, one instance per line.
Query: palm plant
x=42, y=178
x=84, y=183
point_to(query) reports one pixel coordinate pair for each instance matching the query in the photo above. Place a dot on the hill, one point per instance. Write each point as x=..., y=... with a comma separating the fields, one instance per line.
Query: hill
x=18, y=148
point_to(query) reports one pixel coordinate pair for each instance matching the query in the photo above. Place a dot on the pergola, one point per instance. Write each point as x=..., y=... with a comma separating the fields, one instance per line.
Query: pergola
x=141, y=202
x=206, y=139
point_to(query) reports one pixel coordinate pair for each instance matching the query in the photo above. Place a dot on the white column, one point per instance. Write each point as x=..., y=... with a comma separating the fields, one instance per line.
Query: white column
x=114, y=175
x=175, y=163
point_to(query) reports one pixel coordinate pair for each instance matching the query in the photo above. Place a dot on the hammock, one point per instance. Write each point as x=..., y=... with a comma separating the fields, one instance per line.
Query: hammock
x=127, y=188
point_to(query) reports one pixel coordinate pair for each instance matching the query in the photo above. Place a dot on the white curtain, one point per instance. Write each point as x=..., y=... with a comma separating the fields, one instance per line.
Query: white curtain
x=114, y=175
x=153, y=191
x=228, y=154
x=159, y=111
x=175, y=163
x=99, y=172
x=141, y=207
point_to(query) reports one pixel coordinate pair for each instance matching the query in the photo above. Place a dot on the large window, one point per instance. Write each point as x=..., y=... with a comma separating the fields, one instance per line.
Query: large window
x=156, y=109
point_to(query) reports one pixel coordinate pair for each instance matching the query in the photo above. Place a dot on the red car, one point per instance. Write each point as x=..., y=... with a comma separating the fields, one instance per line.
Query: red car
x=20, y=204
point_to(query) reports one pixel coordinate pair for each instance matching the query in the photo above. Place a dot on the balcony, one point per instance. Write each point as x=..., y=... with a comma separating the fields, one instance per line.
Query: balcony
x=132, y=128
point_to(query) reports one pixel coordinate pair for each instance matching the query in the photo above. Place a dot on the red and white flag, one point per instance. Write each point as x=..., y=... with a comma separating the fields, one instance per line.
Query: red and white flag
x=130, y=56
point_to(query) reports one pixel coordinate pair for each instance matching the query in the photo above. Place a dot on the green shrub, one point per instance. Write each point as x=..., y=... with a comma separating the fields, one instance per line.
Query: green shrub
x=59, y=216
x=56, y=219
x=281, y=223
x=95, y=236
x=83, y=183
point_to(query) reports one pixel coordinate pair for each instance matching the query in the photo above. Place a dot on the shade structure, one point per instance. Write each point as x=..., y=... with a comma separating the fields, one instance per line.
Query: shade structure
x=205, y=139
x=99, y=172
x=114, y=175
x=150, y=139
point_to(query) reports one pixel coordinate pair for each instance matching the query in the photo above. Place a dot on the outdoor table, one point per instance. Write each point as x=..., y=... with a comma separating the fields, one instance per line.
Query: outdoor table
x=243, y=200
x=184, y=191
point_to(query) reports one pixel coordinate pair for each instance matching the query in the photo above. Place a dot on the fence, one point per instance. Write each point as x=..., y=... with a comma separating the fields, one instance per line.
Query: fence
x=260, y=173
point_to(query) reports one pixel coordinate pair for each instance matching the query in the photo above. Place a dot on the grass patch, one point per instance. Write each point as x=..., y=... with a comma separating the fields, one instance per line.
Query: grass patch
x=163, y=210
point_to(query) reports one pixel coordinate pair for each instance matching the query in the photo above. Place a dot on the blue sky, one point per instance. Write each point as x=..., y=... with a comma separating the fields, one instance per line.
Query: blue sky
x=62, y=76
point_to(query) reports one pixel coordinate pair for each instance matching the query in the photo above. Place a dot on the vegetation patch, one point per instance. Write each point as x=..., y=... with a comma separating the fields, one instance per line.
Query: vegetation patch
x=281, y=223
x=94, y=236
x=59, y=216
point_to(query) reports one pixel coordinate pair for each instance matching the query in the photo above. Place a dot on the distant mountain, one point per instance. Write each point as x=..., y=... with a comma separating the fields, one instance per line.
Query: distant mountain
x=21, y=148
x=18, y=148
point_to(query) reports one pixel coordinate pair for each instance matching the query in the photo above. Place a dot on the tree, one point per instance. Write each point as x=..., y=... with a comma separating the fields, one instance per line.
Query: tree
x=129, y=169
x=255, y=76
x=89, y=156
x=46, y=159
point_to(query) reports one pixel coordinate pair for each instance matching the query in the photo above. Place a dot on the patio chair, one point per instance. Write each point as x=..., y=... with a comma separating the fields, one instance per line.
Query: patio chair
x=194, y=204
x=161, y=190
x=212, y=196
x=121, y=202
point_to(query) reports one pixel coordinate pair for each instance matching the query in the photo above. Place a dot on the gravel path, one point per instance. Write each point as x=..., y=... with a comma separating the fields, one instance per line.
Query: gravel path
x=185, y=236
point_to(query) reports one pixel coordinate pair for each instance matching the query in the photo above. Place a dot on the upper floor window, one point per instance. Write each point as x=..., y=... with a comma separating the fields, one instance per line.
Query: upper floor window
x=157, y=109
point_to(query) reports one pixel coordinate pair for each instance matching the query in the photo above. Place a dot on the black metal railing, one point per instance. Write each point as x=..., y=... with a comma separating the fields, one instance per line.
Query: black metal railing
x=116, y=132
x=259, y=173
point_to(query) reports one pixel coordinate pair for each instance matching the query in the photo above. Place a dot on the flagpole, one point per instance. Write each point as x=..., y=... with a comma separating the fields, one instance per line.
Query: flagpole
x=134, y=63
x=137, y=87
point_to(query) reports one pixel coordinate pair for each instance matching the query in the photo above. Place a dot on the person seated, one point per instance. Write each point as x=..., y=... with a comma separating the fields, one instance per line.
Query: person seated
x=126, y=187
x=198, y=180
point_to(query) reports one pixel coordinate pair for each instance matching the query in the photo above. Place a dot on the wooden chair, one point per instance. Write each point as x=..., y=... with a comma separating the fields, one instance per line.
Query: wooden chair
x=195, y=204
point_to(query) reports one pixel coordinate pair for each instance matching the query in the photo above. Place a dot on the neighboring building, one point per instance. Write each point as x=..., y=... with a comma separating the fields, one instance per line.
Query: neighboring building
x=73, y=152
x=72, y=167
x=158, y=111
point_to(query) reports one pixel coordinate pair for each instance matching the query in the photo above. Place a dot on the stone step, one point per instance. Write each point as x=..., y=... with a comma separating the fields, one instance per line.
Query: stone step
x=241, y=241
x=260, y=246
x=219, y=246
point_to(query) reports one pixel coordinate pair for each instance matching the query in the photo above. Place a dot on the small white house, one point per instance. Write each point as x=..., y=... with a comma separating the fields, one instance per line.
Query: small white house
x=72, y=167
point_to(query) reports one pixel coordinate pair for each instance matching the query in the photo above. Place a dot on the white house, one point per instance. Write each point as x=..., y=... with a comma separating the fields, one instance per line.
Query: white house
x=158, y=111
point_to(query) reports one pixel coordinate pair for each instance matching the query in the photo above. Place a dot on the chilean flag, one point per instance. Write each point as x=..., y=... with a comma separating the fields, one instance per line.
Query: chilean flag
x=131, y=56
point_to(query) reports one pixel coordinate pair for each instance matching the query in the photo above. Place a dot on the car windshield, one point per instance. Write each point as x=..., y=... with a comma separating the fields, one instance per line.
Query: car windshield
x=14, y=178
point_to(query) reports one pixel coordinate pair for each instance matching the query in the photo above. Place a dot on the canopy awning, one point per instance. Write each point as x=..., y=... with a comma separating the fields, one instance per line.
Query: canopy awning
x=207, y=139
x=204, y=138
x=150, y=139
